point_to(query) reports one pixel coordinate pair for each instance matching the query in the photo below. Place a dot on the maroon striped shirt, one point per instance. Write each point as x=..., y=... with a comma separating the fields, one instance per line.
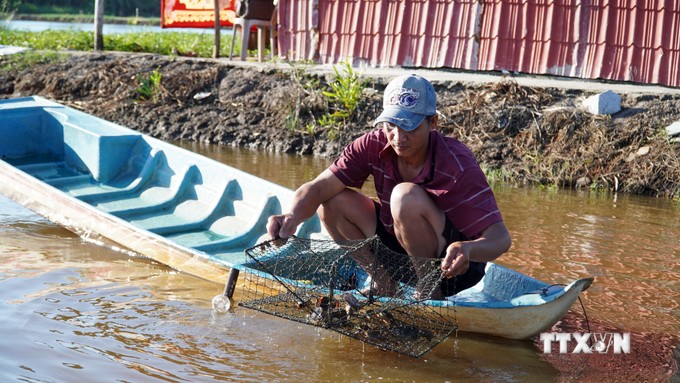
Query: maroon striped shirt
x=451, y=176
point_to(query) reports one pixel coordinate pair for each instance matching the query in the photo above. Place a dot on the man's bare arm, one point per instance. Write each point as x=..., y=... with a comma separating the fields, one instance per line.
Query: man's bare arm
x=306, y=201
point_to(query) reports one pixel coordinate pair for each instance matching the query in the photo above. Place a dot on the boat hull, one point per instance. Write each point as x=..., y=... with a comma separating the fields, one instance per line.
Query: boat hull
x=91, y=224
x=518, y=322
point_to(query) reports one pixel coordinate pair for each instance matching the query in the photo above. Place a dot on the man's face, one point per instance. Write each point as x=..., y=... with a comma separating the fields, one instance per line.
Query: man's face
x=408, y=144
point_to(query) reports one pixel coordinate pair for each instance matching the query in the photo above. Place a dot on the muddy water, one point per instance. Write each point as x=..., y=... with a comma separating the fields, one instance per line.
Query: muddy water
x=77, y=311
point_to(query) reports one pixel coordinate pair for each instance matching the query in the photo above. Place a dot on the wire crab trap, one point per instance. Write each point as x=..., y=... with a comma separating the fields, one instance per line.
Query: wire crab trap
x=360, y=289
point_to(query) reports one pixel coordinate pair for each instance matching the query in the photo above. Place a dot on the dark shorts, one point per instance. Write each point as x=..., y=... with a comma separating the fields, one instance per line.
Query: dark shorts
x=449, y=286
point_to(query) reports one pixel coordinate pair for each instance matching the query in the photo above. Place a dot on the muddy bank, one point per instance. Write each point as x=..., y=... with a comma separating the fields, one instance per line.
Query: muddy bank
x=525, y=135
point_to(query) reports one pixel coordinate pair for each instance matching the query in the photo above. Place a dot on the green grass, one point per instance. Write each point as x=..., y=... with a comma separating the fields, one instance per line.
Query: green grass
x=49, y=40
x=20, y=61
x=165, y=43
x=500, y=176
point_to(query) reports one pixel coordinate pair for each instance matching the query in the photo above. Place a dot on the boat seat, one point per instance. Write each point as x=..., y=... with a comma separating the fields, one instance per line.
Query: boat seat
x=185, y=217
x=249, y=233
x=54, y=172
x=157, y=197
x=121, y=187
x=108, y=153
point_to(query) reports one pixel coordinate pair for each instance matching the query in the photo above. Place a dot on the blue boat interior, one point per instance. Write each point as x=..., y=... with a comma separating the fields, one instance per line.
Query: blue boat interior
x=186, y=198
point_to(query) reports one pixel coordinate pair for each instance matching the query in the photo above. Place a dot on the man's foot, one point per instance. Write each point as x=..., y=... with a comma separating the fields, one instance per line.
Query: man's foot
x=428, y=288
x=389, y=290
x=435, y=295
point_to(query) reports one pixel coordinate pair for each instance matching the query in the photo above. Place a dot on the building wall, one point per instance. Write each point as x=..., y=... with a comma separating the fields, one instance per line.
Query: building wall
x=627, y=40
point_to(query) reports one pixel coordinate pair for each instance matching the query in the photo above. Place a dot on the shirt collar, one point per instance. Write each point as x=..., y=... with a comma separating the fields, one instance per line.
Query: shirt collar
x=388, y=155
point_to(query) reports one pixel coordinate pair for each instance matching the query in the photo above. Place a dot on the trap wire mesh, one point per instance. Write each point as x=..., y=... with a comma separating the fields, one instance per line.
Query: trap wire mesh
x=360, y=289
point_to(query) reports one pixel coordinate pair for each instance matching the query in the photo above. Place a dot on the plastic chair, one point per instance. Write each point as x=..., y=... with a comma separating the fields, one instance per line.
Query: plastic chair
x=246, y=25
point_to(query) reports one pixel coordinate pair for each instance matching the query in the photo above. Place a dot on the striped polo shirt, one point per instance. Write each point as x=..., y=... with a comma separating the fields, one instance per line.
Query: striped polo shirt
x=451, y=176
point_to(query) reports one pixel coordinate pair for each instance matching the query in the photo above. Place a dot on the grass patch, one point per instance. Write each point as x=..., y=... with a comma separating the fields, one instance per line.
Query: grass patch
x=22, y=60
x=347, y=88
x=165, y=43
x=498, y=176
x=49, y=39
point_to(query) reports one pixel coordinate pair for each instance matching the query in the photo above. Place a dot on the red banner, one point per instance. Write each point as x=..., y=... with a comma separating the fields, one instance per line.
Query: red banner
x=195, y=13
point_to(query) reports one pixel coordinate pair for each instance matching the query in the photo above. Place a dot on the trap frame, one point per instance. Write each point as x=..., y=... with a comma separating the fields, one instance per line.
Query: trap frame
x=361, y=289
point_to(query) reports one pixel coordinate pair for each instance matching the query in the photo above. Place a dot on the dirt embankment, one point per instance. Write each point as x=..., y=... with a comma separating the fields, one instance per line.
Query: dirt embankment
x=528, y=135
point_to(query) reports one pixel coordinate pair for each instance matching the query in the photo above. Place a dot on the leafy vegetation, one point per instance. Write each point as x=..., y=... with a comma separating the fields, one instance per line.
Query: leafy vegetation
x=347, y=89
x=165, y=43
x=9, y=6
x=149, y=86
x=306, y=85
x=50, y=39
x=20, y=61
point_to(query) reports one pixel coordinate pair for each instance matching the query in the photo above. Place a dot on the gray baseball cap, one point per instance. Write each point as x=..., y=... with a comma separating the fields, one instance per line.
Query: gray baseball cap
x=407, y=101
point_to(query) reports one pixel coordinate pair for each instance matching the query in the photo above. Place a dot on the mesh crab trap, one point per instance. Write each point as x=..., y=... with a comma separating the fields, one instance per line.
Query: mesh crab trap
x=361, y=289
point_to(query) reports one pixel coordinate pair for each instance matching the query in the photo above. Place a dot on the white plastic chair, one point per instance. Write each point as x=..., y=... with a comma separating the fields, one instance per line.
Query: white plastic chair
x=246, y=25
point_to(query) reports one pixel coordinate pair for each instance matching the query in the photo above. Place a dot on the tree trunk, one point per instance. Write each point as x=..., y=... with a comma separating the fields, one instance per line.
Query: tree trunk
x=216, y=47
x=98, y=25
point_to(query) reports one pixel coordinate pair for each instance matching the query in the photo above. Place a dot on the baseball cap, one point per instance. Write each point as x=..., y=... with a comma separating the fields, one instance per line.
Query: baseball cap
x=407, y=101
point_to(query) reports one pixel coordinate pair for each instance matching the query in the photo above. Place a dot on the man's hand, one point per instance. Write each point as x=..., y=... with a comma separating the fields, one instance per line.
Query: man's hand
x=494, y=241
x=457, y=259
x=281, y=226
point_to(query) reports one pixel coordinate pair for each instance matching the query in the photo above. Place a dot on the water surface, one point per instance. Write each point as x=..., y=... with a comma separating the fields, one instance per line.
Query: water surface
x=78, y=311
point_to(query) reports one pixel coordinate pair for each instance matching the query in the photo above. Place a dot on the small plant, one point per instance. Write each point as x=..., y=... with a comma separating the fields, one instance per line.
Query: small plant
x=347, y=90
x=326, y=121
x=310, y=129
x=307, y=83
x=149, y=86
x=497, y=176
x=332, y=134
x=291, y=120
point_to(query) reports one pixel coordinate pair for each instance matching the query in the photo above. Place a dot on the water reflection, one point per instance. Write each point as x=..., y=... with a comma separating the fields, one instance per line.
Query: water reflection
x=627, y=245
x=100, y=316
x=287, y=170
